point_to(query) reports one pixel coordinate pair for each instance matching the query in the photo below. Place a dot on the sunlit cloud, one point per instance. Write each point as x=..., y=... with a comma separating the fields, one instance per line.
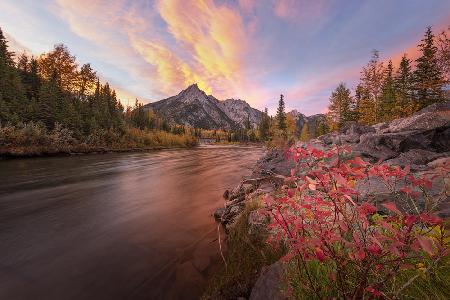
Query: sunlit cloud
x=301, y=11
x=203, y=29
x=248, y=49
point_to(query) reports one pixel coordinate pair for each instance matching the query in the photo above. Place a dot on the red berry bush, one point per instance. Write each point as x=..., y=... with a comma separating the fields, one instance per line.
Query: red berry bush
x=348, y=244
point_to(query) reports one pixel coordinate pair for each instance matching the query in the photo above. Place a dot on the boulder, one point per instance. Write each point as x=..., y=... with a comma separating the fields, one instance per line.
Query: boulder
x=436, y=107
x=440, y=162
x=375, y=190
x=429, y=118
x=275, y=162
x=416, y=158
x=327, y=139
x=390, y=144
x=354, y=128
x=378, y=146
x=218, y=213
x=269, y=283
x=257, y=222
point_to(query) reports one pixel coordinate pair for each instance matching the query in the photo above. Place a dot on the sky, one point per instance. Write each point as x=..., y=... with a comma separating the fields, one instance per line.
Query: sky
x=248, y=49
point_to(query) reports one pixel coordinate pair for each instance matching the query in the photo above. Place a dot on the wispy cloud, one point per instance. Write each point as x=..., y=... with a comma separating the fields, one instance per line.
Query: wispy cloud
x=248, y=49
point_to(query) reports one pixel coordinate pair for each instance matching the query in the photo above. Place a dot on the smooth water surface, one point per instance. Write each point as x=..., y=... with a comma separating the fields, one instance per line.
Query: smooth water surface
x=114, y=226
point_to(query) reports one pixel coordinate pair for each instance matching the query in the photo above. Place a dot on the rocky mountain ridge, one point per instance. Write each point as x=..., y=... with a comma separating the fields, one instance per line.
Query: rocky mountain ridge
x=313, y=122
x=193, y=107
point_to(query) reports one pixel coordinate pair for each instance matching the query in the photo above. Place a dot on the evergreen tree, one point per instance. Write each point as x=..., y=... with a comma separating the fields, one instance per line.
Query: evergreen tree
x=281, y=115
x=443, y=53
x=404, y=104
x=247, y=123
x=428, y=80
x=86, y=81
x=360, y=95
x=304, y=135
x=340, y=108
x=49, y=98
x=5, y=55
x=13, y=106
x=322, y=128
x=387, y=103
x=264, y=126
x=372, y=80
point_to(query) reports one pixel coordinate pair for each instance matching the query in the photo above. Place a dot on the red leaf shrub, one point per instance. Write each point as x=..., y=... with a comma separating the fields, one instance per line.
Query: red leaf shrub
x=337, y=242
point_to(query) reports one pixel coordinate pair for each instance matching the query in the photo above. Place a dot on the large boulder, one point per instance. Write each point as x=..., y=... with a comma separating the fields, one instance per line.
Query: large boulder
x=416, y=158
x=420, y=122
x=269, y=283
x=355, y=128
x=276, y=162
x=257, y=222
x=428, y=130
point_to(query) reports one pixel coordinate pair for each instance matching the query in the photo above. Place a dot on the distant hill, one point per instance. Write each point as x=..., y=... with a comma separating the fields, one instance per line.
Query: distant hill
x=192, y=107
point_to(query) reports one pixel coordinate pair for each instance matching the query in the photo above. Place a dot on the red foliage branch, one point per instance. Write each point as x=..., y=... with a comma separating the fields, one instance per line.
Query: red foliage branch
x=325, y=222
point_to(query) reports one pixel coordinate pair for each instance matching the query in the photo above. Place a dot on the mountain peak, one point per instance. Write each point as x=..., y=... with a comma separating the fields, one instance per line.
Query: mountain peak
x=194, y=108
x=193, y=87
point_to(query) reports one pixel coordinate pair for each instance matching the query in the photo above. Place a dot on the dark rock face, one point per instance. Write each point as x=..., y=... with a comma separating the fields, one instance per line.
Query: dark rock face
x=276, y=161
x=416, y=158
x=269, y=283
x=192, y=107
x=428, y=130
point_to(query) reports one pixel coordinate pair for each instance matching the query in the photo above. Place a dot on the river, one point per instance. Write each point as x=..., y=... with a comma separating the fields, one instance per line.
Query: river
x=114, y=226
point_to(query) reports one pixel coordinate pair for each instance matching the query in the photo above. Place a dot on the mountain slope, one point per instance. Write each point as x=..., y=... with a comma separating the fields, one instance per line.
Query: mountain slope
x=240, y=112
x=313, y=122
x=192, y=107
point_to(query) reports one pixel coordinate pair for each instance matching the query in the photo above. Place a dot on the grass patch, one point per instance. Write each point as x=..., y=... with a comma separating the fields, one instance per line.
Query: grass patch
x=245, y=257
x=431, y=285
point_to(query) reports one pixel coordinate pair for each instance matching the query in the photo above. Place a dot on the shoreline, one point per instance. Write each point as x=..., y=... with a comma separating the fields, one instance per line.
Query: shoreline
x=8, y=155
x=77, y=150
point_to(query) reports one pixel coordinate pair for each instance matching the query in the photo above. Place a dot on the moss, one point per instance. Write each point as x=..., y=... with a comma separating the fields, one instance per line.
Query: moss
x=245, y=257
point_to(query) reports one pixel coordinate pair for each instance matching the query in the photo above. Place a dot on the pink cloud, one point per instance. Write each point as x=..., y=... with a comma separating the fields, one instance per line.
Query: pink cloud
x=301, y=11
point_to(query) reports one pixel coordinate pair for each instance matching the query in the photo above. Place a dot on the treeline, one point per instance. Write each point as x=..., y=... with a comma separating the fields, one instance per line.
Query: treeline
x=386, y=92
x=290, y=126
x=52, y=92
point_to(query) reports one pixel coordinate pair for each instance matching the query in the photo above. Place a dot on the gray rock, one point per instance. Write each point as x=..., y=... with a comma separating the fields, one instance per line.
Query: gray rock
x=352, y=128
x=276, y=162
x=375, y=190
x=234, y=210
x=440, y=162
x=378, y=146
x=269, y=283
x=436, y=107
x=416, y=158
x=219, y=212
x=257, y=222
x=327, y=139
x=424, y=120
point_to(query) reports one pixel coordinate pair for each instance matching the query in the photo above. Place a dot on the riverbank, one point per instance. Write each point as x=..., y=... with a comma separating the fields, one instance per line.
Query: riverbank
x=34, y=140
x=31, y=152
x=253, y=269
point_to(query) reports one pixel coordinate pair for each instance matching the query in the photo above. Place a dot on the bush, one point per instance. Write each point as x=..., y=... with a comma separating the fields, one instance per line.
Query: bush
x=35, y=139
x=343, y=245
x=23, y=134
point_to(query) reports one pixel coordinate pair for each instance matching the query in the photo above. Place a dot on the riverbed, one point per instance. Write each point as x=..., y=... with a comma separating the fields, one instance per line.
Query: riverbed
x=114, y=226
